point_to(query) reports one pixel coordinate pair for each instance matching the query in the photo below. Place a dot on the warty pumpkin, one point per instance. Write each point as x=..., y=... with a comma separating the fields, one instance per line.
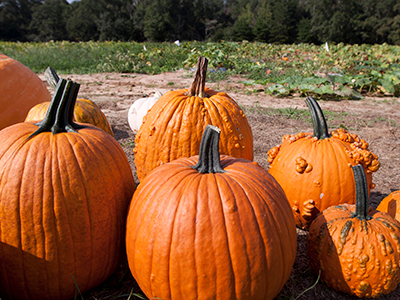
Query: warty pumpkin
x=210, y=227
x=315, y=171
x=391, y=205
x=20, y=90
x=356, y=249
x=64, y=193
x=175, y=124
x=85, y=111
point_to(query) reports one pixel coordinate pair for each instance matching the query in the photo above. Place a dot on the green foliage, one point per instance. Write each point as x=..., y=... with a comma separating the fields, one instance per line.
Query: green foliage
x=345, y=71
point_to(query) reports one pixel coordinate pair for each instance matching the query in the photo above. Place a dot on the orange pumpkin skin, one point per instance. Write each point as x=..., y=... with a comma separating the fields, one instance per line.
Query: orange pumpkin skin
x=316, y=173
x=355, y=248
x=86, y=111
x=20, y=90
x=63, y=204
x=174, y=126
x=210, y=236
x=391, y=205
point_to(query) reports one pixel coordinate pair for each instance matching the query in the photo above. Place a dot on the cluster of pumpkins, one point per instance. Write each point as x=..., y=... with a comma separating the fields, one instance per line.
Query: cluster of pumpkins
x=205, y=222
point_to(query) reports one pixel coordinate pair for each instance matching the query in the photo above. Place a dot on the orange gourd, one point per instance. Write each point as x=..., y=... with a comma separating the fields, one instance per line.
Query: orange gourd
x=210, y=227
x=64, y=193
x=356, y=249
x=391, y=205
x=85, y=111
x=315, y=170
x=20, y=90
x=173, y=127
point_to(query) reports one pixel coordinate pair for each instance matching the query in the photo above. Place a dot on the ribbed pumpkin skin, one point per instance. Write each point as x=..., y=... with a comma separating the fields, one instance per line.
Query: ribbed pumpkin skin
x=359, y=257
x=85, y=111
x=391, y=205
x=20, y=90
x=328, y=181
x=173, y=128
x=63, y=204
x=210, y=236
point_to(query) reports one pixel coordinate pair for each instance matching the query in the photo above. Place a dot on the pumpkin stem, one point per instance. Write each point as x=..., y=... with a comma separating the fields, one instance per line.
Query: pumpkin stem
x=199, y=79
x=59, y=116
x=361, y=193
x=209, y=159
x=51, y=77
x=317, y=117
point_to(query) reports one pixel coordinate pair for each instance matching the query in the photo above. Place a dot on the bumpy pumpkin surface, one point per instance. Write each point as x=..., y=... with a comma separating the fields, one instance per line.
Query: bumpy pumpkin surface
x=210, y=227
x=64, y=194
x=85, y=111
x=175, y=124
x=20, y=90
x=391, y=205
x=315, y=170
x=356, y=250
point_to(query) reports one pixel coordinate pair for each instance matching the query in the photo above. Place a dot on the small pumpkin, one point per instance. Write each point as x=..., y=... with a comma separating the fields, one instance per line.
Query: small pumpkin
x=175, y=124
x=85, y=111
x=315, y=171
x=20, y=90
x=64, y=194
x=139, y=109
x=391, y=205
x=210, y=227
x=356, y=249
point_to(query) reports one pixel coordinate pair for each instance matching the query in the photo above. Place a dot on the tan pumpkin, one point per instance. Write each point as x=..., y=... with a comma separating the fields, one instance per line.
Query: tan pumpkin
x=391, y=205
x=20, y=90
x=175, y=124
x=64, y=194
x=315, y=170
x=85, y=111
x=356, y=249
x=210, y=227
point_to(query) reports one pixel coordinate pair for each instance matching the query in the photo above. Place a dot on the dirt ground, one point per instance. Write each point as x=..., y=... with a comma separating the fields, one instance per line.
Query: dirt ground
x=375, y=119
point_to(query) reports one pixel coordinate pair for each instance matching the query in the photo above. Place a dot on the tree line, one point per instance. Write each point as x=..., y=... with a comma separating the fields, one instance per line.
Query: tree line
x=270, y=21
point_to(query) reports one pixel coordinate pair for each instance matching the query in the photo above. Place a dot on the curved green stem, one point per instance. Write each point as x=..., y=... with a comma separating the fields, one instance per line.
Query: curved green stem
x=209, y=159
x=361, y=193
x=59, y=116
x=319, y=123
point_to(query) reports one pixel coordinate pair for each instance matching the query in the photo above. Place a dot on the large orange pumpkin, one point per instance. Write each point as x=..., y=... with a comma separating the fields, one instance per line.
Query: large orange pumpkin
x=210, y=227
x=315, y=170
x=64, y=194
x=20, y=90
x=85, y=111
x=356, y=250
x=173, y=127
x=391, y=205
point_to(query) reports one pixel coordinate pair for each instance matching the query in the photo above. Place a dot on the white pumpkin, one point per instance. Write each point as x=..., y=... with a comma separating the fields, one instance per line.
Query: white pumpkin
x=139, y=109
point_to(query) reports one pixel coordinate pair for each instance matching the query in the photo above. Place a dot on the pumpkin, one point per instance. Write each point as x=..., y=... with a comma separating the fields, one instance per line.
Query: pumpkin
x=85, y=111
x=64, y=193
x=315, y=171
x=356, y=249
x=210, y=227
x=175, y=124
x=139, y=109
x=20, y=90
x=391, y=205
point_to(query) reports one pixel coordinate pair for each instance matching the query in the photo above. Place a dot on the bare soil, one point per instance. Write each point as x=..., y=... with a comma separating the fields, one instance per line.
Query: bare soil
x=375, y=119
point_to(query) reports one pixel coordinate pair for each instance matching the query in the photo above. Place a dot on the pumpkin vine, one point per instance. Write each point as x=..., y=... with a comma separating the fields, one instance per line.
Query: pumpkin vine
x=209, y=159
x=319, y=123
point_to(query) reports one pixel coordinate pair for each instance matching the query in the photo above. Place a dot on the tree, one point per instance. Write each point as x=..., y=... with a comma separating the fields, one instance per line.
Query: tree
x=262, y=27
x=244, y=24
x=49, y=20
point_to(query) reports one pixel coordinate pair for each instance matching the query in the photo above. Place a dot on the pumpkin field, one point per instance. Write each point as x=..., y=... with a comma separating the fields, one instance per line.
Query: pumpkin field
x=357, y=89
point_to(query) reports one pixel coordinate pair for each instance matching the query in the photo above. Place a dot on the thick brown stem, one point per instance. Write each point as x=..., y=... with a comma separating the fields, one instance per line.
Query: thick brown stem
x=199, y=79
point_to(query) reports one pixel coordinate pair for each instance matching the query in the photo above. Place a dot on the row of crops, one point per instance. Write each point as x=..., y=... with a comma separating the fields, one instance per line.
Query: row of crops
x=349, y=71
